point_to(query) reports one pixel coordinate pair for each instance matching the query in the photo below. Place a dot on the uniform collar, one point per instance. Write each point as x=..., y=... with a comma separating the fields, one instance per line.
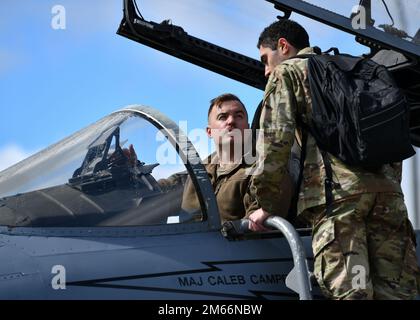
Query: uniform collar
x=213, y=166
x=307, y=50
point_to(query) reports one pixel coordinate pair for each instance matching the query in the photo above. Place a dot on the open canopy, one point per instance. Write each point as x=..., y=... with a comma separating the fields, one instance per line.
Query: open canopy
x=389, y=29
x=127, y=169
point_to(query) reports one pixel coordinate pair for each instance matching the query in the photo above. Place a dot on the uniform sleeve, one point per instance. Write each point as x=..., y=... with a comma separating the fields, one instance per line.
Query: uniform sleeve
x=397, y=166
x=280, y=206
x=250, y=203
x=275, y=141
x=174, y=181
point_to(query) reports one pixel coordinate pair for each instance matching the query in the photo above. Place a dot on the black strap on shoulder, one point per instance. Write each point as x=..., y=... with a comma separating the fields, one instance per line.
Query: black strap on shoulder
x=257, y=115
x=317, y=50
x=329, y=183
x=292, y=216
x=255, y=126
x=333, y=49
x=302, y=159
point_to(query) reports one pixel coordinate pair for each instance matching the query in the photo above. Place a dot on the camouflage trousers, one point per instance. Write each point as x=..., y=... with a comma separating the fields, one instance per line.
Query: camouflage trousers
x=365, y=249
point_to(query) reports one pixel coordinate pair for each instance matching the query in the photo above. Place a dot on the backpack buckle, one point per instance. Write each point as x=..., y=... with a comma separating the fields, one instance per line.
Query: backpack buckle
x=331, y=184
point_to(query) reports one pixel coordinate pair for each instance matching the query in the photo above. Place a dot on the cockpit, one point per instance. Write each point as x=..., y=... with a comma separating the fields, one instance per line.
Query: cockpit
x=124, y=170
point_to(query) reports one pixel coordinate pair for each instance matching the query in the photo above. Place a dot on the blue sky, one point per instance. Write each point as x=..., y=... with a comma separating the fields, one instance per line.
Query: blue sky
x=54, y=82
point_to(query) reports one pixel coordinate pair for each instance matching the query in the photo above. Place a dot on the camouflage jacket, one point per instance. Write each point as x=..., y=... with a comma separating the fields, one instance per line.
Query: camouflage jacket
x=231, y=188
x=286, y=95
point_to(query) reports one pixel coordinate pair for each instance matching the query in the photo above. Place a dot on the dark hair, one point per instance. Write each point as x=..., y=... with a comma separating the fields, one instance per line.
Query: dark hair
x=292, y=31
x=223, y=98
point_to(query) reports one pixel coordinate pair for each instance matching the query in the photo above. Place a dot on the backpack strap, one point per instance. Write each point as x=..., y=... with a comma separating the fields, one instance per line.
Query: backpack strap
x=328, y=183
x=301, y=150
x=255, y=125
x=333, y=49
x=302, y=160
x=257, y=115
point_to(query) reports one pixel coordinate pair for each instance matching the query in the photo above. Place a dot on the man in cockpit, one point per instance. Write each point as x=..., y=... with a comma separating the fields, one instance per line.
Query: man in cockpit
x=229, y=166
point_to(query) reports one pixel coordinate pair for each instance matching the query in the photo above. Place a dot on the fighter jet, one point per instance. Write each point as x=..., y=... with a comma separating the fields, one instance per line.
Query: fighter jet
x=83, y=220
x=86, y=219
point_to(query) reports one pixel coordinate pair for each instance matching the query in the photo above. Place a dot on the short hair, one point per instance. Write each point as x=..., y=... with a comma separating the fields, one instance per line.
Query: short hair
x=223, y=98
x=292, y=31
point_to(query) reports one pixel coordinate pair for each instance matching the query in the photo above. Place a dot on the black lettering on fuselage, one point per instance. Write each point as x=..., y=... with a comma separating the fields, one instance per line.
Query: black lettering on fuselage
x=266, y=278
x=190, y=281
x=226, y=280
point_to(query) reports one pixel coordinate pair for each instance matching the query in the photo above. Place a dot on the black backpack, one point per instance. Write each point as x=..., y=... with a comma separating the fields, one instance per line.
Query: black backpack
x=359, y=114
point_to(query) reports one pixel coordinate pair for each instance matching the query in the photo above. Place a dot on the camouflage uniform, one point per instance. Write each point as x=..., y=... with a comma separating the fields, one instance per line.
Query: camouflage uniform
x=231, y=188
x=369, y=225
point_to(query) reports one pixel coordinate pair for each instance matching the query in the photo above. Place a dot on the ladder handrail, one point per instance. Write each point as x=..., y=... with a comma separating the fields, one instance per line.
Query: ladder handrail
x=296, y=245
x=298, y=252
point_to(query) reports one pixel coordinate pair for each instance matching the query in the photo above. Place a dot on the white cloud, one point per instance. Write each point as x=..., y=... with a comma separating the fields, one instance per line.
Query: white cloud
x=11, y=154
